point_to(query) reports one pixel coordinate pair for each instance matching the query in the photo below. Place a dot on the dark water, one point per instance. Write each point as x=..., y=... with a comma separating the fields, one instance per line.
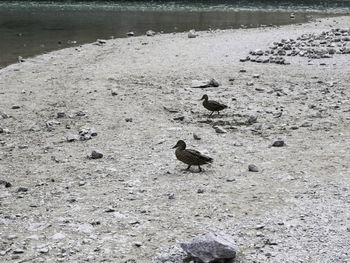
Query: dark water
x=31, y=28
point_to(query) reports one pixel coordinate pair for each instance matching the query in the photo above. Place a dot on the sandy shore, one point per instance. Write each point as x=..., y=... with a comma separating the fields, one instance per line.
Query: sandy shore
x=64, y=207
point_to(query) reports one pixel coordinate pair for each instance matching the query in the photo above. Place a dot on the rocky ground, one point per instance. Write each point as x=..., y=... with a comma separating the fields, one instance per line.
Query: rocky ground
x=58, y=204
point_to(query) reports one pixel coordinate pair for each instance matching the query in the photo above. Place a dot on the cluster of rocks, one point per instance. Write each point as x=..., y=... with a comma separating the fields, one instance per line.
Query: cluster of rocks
x=84, y=135
x=312, y=46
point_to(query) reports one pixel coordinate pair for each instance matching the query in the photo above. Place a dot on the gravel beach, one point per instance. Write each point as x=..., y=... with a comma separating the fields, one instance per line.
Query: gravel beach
x=88, y=173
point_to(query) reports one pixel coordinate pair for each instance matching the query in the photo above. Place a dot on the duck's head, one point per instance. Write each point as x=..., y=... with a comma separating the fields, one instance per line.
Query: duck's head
x=205, y=97
x=180, y=144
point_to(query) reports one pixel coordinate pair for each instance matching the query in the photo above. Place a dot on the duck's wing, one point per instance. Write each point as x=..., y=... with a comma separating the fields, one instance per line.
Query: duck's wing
x=197, y=154
x=217, y=105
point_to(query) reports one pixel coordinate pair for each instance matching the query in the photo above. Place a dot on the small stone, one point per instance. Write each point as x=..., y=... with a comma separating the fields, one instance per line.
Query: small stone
x=150, y=33
x=15, y=107
x=306, y=124
x=179, y=118
x=58, y=236
x=256, y=76
x=171, y=196
x=5, y=183
x=80, y=113
x=21, y=189
x=130, y=34
x=128, y=119
x=34, y=128
x=23, y=146
x=11, y=237
x=192, y=34
x=3, y=115
x=138, y=244
x=230, y=179
x=242, y=70
x=200, y=191
x=101, y=41
x=114, y=92
x=72, y=138
x=278, y=142
x=196, y=137
x=109, y=210
x=238, y=144
x=61, y=115
x=96, y=155
x=253, y=168
x=18, y=251
x=219, y=129
x=82, y=183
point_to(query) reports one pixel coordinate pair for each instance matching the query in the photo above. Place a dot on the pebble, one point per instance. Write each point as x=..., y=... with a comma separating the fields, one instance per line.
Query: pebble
x=238, y=144
x=171, y=196
x=21, y=189
x=114, y=92
x=138, y=244
x=23, y=146
x=61, y=115
x=219, y=129
x=306, y=124
x=58, y=236
x=196, y=136
x=200, y=191
x=15, y=107
x=253, y=168
x=128, y=119
x=34, y=128
x=230, y=179
x=96, y=155
x=192, y=34
x=130, y=34
x=278, y=142
x=72, y=138
x=150, y=33
x=12, y=237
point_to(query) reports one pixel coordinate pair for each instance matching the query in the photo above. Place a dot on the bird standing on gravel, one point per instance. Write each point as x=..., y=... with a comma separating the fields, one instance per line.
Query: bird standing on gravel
x=189, y=156
x=212, y=105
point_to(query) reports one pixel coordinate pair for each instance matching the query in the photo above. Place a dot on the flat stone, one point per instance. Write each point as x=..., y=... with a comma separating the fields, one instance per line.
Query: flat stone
x=219, y=129
x=15, y=107
x=34, y=128
x=72, y=138
x=253, y=168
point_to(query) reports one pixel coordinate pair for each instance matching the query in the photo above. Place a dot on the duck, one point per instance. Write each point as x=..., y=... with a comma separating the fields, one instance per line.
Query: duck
x=212, y=105
x=189, y=156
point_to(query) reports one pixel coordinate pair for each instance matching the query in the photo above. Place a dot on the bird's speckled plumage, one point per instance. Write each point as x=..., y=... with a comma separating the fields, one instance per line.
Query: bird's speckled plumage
x=212, y=105
x=189, y=156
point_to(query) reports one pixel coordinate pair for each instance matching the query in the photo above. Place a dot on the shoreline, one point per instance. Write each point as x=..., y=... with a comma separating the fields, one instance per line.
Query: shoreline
x=137, y=200
x=48, y=42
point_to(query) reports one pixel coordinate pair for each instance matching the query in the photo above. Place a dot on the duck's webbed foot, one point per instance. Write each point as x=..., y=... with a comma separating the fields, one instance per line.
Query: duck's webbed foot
x=188, y=167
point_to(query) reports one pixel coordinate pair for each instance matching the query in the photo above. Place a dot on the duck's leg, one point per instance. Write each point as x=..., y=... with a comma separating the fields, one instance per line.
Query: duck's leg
x=188, y=167
x=200, y=169
x=211, y=114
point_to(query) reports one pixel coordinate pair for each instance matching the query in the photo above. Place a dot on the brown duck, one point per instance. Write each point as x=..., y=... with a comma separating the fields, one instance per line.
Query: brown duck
x=189, y=156
x=212, y=105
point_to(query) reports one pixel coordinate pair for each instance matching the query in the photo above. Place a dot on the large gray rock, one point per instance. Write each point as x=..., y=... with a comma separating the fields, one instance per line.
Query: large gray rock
x=211, y=247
